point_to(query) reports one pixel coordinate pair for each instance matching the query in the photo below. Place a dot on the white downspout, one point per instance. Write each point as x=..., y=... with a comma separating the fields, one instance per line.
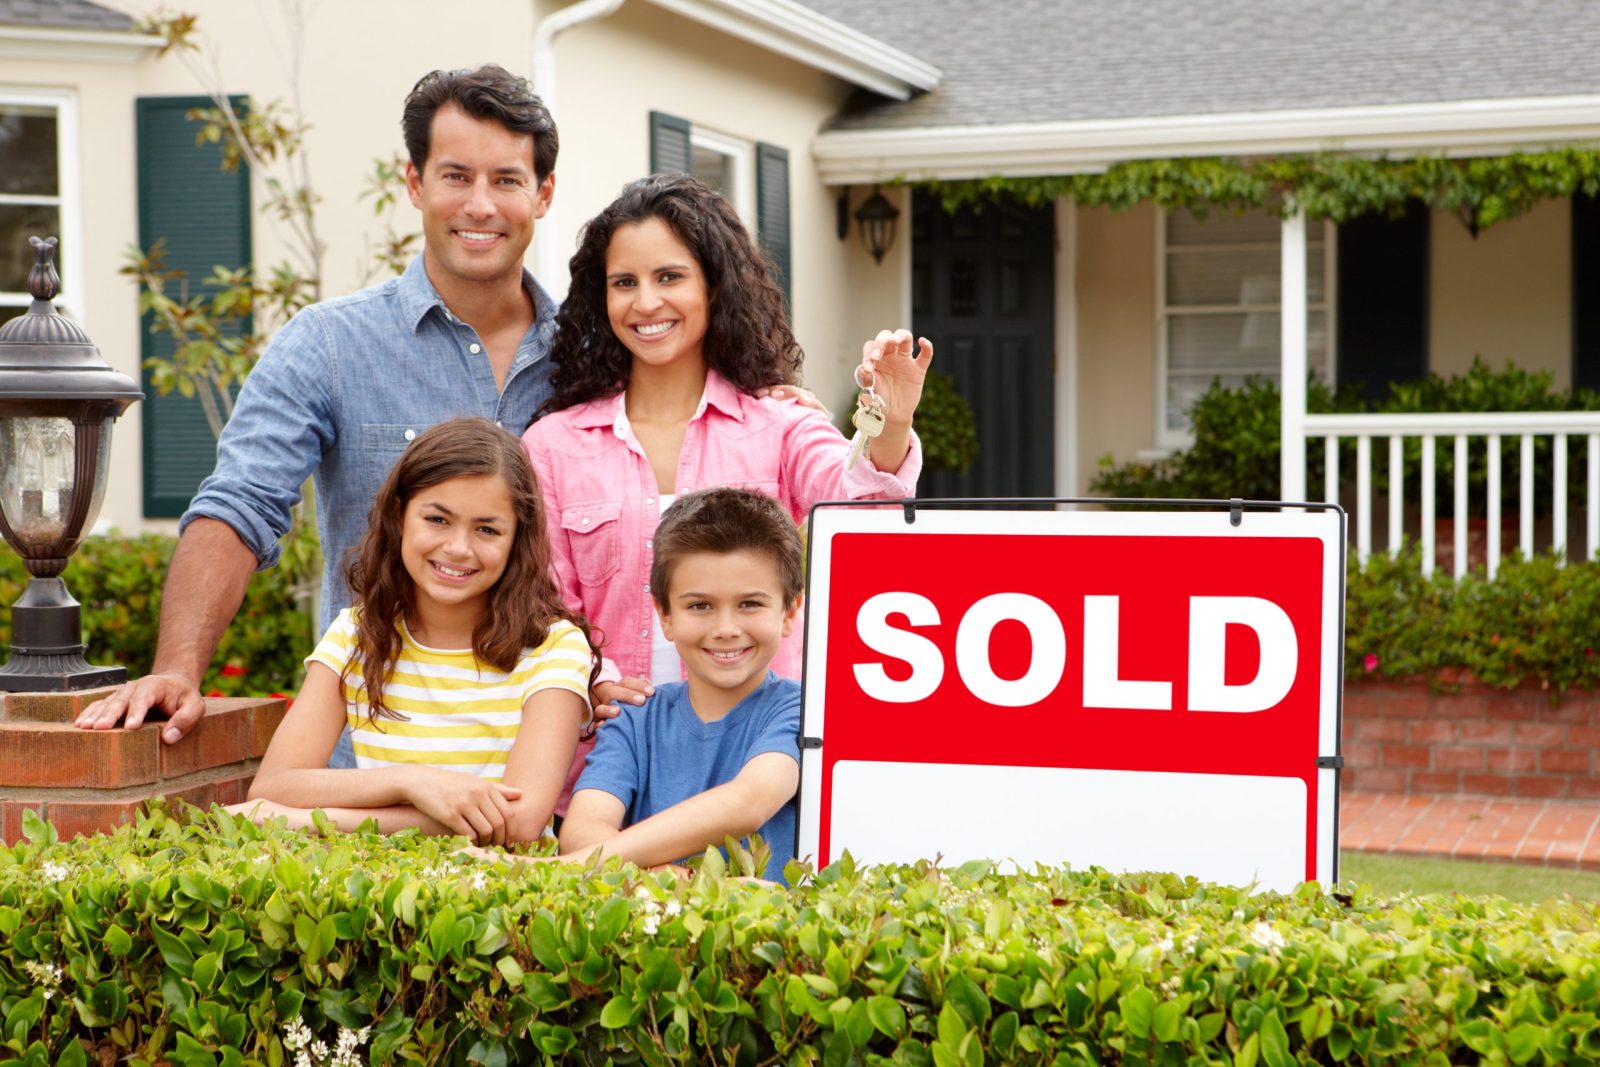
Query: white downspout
x=548, y=260
x=1292, y=385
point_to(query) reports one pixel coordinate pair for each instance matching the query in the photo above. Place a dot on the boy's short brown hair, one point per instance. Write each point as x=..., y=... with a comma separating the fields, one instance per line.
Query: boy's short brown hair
x=723, y=521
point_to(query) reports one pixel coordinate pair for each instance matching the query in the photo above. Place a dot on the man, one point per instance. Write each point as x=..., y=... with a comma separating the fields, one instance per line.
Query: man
x=348, y=382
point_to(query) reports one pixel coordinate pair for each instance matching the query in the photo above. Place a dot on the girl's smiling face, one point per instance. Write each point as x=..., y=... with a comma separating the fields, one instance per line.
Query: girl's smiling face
x=456, y=539
x=656, y=297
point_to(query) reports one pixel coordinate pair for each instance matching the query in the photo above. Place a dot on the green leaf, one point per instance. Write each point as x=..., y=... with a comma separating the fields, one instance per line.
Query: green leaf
x=72, y=1055
x=1340, y=1042
x=117, y=941
x=1167, y=1020
x=510, y=969
x=1274, y=1042
x=1522, y=1043
x=546, y=945
x=970, y=1001
x=952, y=1029
x=887, y=1016
x=36, y=830
x=1138, y=1006
x=1249, y=1052
x=617, y=1012
x=609, y=920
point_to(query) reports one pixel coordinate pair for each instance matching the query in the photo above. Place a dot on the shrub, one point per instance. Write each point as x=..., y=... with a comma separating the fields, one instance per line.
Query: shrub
x=219, y=942
x=1536, y=622
x=118, y=581
x=945, y=425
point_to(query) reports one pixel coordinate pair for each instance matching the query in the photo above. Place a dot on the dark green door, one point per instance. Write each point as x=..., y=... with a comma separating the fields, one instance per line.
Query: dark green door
x=983, y=291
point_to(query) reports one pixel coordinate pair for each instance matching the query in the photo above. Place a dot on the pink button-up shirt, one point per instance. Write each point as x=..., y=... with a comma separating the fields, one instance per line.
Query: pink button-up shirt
x=601, y=503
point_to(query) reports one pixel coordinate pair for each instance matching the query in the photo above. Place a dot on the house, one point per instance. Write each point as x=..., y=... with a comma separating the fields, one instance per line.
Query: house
x=1074, y=329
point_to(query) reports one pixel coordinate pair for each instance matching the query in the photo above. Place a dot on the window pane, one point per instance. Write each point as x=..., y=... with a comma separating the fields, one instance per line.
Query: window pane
x=1237, y=276
x=18, y=222
x=1222, y=227
x=28, y=150
x=712, y=167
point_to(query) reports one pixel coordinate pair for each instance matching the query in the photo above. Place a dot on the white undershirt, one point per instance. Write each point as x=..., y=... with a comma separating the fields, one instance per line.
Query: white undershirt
x=665, y=665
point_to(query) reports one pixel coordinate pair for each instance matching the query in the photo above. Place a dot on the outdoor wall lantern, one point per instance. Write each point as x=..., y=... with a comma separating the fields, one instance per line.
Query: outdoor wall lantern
x=875, y=218
x=58, y=398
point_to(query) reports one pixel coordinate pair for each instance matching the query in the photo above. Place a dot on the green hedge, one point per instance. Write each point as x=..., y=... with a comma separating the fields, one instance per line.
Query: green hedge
x=219, y=942
x=118, y=581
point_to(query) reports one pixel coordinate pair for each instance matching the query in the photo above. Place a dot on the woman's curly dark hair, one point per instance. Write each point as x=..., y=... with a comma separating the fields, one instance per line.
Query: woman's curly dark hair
x=748, y=340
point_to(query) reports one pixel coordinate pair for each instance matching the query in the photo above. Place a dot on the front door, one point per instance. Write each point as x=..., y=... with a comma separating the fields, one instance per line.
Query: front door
x=983, y=291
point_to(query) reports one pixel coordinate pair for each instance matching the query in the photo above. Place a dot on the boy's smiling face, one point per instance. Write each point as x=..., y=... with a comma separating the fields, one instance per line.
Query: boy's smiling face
x=726, y=614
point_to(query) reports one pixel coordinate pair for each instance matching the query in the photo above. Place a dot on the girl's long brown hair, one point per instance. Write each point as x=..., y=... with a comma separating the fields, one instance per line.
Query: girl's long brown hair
x=522, y=604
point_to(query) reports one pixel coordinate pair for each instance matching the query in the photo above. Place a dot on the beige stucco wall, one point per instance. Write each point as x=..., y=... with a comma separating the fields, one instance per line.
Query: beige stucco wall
x=1505, y=295
x=1115, y=275
x=358, y=60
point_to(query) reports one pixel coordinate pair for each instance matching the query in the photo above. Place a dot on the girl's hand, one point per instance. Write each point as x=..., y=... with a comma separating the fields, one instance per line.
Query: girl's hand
x=468, y=805
x=804, y=397
x=607, y=698
x=898, y=365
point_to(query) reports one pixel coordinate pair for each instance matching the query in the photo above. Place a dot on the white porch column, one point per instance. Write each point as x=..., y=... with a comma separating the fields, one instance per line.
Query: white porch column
x=1292, y=382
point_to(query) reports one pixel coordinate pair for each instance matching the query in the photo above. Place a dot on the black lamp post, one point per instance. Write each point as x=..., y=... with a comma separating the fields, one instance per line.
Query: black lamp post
x=58, y=398
x=876, y=218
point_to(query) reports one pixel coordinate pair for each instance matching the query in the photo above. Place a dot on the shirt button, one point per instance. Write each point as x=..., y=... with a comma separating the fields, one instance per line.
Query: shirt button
x=647, y=542
x=585, y=520
x=644, y=633
x=474, y=348
x=411, y=434
x=649, y=500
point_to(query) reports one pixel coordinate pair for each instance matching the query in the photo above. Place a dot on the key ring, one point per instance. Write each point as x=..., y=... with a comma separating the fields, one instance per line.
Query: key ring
x=866, y=386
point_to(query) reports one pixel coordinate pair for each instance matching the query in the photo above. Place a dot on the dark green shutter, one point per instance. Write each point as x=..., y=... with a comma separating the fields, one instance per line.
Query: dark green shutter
x=669, y=144
x=203, y=214
x=1383, y=300
x=772, y=210
x=1586, y=291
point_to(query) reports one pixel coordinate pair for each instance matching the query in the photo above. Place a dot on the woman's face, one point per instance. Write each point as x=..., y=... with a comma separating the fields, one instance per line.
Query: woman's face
x=656, y=295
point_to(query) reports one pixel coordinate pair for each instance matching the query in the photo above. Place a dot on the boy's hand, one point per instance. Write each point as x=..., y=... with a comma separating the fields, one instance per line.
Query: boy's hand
x=468, y=805
x=608, y=697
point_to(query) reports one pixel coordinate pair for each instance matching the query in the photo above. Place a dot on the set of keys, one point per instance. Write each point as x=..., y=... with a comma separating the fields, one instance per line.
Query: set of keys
x=868, y=420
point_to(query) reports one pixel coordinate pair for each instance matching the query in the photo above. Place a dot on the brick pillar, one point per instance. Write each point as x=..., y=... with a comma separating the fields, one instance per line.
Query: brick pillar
x=85, y=781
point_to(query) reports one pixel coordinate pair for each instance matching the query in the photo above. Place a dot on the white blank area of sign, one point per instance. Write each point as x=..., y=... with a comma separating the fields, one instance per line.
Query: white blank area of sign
x=1234, y=829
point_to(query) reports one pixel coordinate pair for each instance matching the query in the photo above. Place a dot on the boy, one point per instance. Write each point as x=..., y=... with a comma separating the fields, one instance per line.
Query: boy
x=718, y=755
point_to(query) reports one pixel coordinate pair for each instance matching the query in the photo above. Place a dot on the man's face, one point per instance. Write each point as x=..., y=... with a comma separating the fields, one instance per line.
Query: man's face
x=478, y=198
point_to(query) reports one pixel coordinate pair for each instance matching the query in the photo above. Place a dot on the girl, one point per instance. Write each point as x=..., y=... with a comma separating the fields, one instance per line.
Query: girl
x=462, y=677
x=671, y=326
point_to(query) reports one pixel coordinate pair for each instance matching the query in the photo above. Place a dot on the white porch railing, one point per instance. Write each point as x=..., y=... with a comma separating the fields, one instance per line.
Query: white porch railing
x=1496, y=429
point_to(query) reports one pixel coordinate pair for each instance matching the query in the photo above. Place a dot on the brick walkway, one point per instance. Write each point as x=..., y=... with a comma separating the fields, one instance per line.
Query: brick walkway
x=1544, y=833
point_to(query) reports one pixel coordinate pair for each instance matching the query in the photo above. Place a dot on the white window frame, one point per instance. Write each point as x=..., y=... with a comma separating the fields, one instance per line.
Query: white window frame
x=1167, y=440
x=742, y=155
x=68, y=201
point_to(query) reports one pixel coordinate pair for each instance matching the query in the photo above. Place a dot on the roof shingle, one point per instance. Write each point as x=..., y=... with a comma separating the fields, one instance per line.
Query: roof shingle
x=62, y=14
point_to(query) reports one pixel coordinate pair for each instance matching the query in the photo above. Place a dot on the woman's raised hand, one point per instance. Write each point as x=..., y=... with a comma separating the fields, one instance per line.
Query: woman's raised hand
x=898, y=364
x=471, y=806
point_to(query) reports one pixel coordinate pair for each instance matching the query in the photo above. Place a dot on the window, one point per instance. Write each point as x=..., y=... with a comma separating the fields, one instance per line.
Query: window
x=1218, y=299
x=38, y=184
x=724, y=164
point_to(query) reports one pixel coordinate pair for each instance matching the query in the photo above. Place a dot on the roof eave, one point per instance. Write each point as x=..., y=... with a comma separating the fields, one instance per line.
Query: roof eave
x=1471, y=127
x=60, y=43
x=796, y=31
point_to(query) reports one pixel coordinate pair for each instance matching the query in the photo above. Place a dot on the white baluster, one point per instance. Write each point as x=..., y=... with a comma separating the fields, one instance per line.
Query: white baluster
x=1428, y=517
x=1460, y=533
x=1558, y=500
x=1363, y=498
x=1494, y=503
x=1594, y=496
x=1330, y=481
x=1525, y=498
x=1397, y=482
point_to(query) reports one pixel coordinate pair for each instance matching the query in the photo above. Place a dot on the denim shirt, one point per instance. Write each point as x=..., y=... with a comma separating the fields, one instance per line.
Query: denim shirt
x=340, y=391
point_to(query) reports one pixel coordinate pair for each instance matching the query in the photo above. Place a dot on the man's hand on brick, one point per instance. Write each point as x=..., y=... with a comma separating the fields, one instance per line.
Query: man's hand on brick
x=171, y=694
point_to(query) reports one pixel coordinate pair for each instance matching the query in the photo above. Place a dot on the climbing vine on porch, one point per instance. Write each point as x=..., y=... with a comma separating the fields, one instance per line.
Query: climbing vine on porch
x=1480, y=191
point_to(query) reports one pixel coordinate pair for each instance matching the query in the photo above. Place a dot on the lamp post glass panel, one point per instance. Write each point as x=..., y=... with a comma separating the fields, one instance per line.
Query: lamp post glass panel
x=876, y=218
x=58, y=398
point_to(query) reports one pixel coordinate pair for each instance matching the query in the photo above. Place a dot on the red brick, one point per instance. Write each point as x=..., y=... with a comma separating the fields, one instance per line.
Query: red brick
x=49, y=707
x=1380, y=730
x=1564, y=761
x=1433, y=782
x=1551, y=734
x=222, y=737
x=1490, y=733
x=1572, y=709
x=1409, y=705
x=1584, y=736
x=1465, y=706
x=52, y=754
x=1360, y=755
x=232, y=790
x=74, y=817
x=1498, y=785
x=1585, y=788
x=1430, y=732
x=1519, y=707
x=264, y=722
x=1361, y=701
x=1407, y=756
x=1531, y=786
x=1376, y=780
x=1453, y=758
x=11, y=818
x=1512, y=759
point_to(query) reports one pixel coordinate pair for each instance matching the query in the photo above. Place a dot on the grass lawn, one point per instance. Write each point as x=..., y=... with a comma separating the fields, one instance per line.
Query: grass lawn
x=1392, y=875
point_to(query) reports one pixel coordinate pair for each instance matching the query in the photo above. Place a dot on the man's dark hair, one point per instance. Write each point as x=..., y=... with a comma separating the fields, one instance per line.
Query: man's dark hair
x=723, y=521
x=489, y=92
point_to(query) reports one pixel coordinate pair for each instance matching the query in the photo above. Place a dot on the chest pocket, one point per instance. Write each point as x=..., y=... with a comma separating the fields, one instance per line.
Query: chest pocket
x=592, y=529
x=381, y=445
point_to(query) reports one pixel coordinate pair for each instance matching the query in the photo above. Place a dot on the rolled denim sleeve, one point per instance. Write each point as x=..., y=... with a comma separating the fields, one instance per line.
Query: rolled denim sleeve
x=282, y=423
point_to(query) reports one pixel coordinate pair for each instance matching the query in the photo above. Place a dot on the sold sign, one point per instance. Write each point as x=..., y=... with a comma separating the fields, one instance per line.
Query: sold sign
x=1141, y=691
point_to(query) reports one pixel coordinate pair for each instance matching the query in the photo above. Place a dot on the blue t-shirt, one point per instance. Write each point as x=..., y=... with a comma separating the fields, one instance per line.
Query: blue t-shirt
x=659, y=753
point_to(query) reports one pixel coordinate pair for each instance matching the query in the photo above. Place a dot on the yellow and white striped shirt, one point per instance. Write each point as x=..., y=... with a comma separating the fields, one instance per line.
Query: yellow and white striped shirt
x=460, y=714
